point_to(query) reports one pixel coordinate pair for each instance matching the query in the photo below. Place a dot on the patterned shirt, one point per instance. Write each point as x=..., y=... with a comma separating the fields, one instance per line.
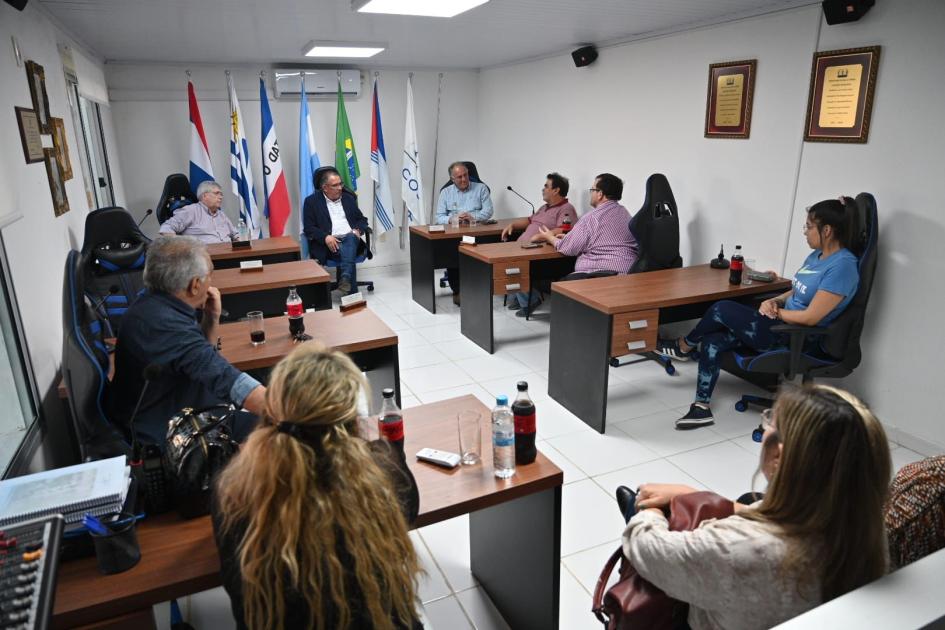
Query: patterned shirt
x=551, y=217
x=475, y=200
x=196, y=220
x=601, y=240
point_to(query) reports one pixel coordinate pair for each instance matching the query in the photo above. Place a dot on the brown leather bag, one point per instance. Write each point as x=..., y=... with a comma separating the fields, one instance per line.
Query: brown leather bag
x=634, y=602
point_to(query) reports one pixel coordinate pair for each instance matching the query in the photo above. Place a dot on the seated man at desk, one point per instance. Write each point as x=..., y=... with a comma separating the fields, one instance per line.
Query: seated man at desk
x=333, y=225
x=601, y=240
x=161, y=329
x=552, y=215
x=205, y=219
x=465, y=200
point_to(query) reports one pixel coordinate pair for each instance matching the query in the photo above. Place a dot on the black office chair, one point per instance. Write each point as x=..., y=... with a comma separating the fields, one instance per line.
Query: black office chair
x=364, y=250
x=177, y=193
x=839, y=351
x=473, y=177
x=112, y=264
x=85, y=365
x=656, y=229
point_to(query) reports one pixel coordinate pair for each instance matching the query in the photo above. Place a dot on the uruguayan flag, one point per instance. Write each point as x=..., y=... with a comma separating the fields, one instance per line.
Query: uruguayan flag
x=240, y=172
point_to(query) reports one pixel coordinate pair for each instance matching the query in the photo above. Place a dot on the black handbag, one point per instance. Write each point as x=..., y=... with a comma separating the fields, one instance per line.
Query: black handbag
x=199, y=445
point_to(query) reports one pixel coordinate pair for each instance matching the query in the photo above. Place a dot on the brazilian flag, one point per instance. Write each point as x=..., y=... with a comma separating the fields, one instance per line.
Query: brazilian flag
x=346, y=160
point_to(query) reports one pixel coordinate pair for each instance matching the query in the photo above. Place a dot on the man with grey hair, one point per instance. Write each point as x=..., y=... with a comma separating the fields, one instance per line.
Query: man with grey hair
x=465, y=200
x=165, y=344
x=204, y=219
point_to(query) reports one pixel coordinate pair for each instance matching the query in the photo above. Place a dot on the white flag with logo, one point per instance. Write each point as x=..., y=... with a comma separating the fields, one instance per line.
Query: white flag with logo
x=411, y=184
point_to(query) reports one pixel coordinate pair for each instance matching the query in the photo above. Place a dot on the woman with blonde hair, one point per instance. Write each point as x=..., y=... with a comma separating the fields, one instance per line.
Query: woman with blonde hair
x=816, y=534
x=311, y=519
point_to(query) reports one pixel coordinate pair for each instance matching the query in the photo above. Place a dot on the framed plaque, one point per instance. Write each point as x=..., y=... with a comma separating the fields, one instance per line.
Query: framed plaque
x=57, y=185
x=37, y=80
x=840, y=102
x=61, y=145
x=729, y=98
x=29, y=134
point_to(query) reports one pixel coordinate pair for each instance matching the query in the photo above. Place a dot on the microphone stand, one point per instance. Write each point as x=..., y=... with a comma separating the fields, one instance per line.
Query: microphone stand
x=522, y=198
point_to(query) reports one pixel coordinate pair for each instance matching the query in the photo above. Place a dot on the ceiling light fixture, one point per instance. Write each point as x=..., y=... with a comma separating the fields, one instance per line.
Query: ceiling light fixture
x=430, y=8
x=342, y=49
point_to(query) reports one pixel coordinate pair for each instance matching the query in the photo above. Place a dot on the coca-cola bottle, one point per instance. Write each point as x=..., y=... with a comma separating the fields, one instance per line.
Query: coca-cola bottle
x=523, y=409
x=296, y=312
x=566, y=225
x=390, y=420
x=736, y=267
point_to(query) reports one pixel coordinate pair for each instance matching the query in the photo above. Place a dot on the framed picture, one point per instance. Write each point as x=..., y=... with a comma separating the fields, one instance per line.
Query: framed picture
x=29, y=134
x=37, y=80
x=729, y=99
x=61, y=145
x=840, y=101
x=57, y=185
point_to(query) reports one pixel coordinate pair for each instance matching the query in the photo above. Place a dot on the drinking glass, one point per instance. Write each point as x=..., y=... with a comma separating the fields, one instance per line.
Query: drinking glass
x=257, y=329
x=470, y=436
x=749, y=266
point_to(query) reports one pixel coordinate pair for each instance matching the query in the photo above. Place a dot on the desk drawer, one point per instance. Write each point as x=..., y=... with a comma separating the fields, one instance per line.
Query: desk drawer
x=637, y=329
x=511, y=284
x=510, y=272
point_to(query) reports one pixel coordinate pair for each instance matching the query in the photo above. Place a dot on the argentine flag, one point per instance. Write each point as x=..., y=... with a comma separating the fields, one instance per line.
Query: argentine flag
x=383, y=206
x=308, y=163
x=200, y=167
x=240, y=172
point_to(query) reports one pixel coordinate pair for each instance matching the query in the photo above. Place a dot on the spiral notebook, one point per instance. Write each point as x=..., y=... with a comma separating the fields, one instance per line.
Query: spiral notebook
x=91, y=488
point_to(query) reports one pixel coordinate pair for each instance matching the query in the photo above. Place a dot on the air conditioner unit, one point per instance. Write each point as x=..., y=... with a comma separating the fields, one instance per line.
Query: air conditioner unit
x=319, y=82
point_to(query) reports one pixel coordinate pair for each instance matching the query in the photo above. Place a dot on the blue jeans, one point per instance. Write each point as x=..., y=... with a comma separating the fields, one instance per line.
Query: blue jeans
x=724, y=326
x=523, y=298
x=345, y=257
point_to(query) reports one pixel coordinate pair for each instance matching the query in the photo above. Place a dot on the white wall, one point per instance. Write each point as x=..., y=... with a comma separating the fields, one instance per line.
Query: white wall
x=37, y=243
x=640, y=109
x=151, y=124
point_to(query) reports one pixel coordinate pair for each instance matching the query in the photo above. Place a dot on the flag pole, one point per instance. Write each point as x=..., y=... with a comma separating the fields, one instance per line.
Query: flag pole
x=373, y=184
x=403, y=204
x=436, y=145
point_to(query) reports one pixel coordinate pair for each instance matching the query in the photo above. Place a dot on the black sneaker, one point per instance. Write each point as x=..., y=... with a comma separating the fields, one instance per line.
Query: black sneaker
x=669, y=348
x=698, y=416
x=513, y=304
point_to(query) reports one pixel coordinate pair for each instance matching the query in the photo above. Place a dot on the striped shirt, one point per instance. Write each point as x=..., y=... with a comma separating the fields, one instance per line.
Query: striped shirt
x=601, y=240
x=196, y=220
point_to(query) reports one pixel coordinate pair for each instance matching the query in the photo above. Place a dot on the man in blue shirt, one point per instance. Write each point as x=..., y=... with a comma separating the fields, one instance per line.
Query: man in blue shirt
x=465, y=200
x=161, y=328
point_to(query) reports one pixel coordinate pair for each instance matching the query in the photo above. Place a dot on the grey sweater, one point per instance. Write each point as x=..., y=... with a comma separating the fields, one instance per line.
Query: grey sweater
x=728, y=570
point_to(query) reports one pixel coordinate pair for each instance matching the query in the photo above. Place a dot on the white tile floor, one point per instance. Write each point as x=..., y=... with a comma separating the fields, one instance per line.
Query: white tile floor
x=640, y=445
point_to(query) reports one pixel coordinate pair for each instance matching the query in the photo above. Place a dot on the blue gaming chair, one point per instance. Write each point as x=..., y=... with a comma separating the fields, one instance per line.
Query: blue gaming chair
x=364, y=254
x=112, y=264
x=85, y=365
x=177, y=193
x=838, y=352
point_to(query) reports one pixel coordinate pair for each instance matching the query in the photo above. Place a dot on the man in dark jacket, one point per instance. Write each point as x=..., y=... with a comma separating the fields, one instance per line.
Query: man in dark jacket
x=333, y=225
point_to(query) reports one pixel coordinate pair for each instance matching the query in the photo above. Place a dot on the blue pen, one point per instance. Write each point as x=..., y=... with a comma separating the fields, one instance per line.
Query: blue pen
x=94, y=525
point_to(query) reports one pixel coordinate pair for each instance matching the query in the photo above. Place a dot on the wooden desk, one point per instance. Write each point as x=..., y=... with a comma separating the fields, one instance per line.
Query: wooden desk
x=595, y=319
x=370, y=343
x=269, y=250
x=501, y=269
x=266, y=290
x=430, y=251
x=515, y=537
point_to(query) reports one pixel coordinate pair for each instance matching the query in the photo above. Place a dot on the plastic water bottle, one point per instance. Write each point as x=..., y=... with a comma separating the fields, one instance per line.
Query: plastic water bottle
x=296, y=312
x=390, y=421
x=242, y=230
x=503, y=439
x=524, y=411
x=737, y=266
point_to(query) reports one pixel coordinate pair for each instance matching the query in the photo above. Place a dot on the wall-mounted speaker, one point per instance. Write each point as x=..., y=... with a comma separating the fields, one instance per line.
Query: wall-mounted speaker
x=584, y=56
x=840, y=11
x=19, y=5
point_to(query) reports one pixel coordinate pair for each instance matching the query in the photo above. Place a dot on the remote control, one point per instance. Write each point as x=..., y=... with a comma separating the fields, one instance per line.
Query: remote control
x=440, y=458
x=761, y=276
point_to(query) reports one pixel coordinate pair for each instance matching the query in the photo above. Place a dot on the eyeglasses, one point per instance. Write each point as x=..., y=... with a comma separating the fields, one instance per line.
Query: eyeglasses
x=808, y=227
x=338, y=185
x=594, y=189
x=767, y=421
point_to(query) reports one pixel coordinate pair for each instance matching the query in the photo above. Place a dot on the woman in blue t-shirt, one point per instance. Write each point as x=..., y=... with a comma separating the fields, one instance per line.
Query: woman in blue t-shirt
x=823, y=287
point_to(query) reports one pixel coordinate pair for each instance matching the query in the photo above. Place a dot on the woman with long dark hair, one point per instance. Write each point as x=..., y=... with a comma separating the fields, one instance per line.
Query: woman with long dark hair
x=823, y=286
x=310, y=519
x=817, y=533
